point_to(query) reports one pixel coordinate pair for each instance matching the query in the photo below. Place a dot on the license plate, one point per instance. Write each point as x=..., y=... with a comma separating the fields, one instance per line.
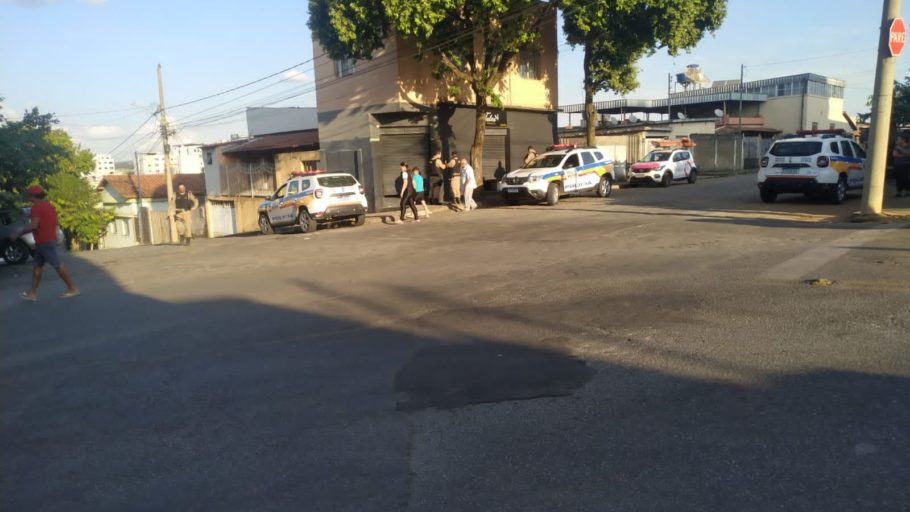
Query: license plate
x=511, y=191
x=789, y=171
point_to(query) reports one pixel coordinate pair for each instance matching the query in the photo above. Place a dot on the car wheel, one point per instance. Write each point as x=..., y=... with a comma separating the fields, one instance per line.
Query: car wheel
x=839, y=192
x=16, y=253
x=306, y=222
x=265, y=227
x=605, y=187
x=360, y=220
x=693, y=175
x=768, y=196
x=552, y=194
x=666, y=180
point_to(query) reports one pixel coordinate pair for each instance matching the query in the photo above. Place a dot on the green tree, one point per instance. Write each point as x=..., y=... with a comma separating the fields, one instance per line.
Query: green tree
x=472, y=42
x=28, y=152
x=615, y=34
x=78, y=211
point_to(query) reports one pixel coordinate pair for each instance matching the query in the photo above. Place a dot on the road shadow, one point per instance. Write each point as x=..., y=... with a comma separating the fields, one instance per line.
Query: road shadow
x=118, y=401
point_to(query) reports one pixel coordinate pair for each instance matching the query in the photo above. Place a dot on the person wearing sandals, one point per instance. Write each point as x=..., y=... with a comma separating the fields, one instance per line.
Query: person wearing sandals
x=44, y=225
x=419, y=194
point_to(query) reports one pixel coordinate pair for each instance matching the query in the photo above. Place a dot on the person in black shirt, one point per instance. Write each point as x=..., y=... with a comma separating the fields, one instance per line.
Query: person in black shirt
x=185, y=202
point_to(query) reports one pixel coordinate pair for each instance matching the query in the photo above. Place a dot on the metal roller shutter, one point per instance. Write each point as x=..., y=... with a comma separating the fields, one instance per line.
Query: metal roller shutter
x=494, y=153
x=413, y=148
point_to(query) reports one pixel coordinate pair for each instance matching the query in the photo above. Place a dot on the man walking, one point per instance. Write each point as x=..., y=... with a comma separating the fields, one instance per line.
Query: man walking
x=185, y=203
x=44, y=225
x=406, y=193
x=455, y=177
x=468, y=184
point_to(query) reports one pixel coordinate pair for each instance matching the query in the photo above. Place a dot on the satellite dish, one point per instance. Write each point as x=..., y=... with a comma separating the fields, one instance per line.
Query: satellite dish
x=680, y=116
x=613, y=121
x=718, y=112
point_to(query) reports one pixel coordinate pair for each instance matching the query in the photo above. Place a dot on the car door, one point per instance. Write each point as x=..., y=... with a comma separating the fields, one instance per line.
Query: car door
x=587, y=177
x=854, y=165
x=858, y=175
x=278, y=210
x=679, y=165
x=570, y=172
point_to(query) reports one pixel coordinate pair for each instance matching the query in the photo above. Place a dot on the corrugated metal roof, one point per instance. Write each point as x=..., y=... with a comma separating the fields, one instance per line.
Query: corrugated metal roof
x=304, y=140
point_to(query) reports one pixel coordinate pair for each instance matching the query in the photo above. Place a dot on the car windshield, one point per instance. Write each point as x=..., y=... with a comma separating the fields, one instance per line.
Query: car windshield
x=796, y=148
x=545, y=161
x=657, y=156
x=343, y=180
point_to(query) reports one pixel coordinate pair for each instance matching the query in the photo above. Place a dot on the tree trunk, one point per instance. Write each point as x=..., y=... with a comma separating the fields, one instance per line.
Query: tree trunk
x=480, y=130
x=590, y=113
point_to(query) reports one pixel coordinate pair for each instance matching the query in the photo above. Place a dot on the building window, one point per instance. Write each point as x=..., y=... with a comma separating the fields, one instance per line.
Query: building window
x=529, y=64
x=208, y=158
x=344, y=67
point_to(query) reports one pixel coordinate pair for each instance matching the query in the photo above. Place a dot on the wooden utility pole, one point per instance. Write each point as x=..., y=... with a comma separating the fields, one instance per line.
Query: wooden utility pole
x=880, y=131
x=168, y=174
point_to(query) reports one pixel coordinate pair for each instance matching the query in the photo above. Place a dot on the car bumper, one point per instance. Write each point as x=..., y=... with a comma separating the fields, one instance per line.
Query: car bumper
x=521, y=192
x=341, y=212
x=650, y=176
x=801, y=184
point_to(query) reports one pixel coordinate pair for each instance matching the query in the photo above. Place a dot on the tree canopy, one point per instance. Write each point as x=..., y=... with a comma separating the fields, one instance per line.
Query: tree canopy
x=616, y=34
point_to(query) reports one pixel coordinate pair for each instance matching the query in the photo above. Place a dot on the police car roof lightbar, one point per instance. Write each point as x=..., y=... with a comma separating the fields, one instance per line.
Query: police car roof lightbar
x=297, y=174
x=684, y=142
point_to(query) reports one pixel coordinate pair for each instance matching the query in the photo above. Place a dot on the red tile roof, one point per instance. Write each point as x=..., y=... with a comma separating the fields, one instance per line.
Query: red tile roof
x=153, y=185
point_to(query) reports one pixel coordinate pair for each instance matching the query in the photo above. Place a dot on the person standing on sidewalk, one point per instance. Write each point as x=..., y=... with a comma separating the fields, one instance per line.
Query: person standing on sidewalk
x=437, y=173
x=454, y=166
x=419, y=196
x=468, y=184
x=901, y=155
x=185, y=203
x=407, y=192
x=44, y=225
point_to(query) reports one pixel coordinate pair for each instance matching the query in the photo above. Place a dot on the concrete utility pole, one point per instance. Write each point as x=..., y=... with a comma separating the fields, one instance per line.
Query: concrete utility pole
x=168, y=175
x=742, y=76
x=880, y=131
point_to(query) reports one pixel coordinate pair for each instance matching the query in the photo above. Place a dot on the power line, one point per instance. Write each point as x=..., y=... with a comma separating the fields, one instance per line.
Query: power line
x=810, y=58
x=185, y=103
x=130, y=136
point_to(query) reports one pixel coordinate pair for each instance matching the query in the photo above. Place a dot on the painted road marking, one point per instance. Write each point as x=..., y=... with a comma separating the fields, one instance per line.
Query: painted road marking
x=813, y=259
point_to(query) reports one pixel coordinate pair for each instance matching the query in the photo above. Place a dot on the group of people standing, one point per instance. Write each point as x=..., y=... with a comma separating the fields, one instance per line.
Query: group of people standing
x=454, y=179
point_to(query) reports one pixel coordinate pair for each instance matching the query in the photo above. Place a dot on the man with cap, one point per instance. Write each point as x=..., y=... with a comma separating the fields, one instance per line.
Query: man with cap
x=44, y=225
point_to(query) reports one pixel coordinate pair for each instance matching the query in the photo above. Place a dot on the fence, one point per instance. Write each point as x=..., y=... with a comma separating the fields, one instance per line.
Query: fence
x=248, y=176
x=728, y=153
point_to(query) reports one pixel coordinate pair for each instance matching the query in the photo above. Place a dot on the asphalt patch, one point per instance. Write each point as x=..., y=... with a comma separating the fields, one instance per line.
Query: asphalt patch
x=452, y=376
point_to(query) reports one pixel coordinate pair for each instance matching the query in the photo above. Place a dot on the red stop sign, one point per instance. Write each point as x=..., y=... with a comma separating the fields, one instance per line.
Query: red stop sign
x=897, y=35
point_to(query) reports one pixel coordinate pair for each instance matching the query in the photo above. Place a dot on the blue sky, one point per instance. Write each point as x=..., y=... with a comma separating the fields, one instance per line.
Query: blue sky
x=80, y=57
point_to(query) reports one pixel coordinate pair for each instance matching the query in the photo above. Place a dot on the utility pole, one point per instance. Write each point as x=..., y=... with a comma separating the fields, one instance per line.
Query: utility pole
x=168, y=174
x=880, y=131
x=140, y=235
x=742, y=76
x=669, y=87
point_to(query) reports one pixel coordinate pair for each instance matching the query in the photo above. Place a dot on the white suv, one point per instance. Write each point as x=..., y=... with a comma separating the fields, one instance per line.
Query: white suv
x=307, y=199
x=829, y=164
x=564, y=169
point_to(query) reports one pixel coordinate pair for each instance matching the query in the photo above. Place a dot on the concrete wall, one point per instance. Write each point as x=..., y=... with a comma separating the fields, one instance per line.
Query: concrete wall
x=246, y=212
x=286, y=163
x=783, y=113
x=688, y=128
x=825, y=111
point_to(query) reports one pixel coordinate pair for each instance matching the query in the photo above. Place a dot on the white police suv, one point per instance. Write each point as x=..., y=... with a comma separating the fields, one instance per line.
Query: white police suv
x=308, y=198
x=812, y=163
x=562, y=170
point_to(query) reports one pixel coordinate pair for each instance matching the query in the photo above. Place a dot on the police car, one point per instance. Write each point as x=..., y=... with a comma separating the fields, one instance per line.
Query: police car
x=824, y=162
x=309, y=198
x=562, y=170
x=671, y=161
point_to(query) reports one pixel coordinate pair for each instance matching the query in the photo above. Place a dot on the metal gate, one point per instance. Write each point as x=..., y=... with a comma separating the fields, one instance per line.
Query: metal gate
x=494, y=153
x=411, y=145
x=223, y=218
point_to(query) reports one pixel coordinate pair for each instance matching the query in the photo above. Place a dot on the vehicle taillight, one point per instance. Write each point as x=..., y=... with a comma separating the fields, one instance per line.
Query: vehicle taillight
x=318, y=193
x=822, y=161
x=764, y=162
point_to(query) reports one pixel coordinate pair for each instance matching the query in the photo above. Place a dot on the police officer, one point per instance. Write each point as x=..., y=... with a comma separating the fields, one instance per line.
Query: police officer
x=185, y=203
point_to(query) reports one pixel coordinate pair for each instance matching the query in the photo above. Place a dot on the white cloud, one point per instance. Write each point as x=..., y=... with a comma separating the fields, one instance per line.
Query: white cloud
x=295, y=75
x=103, y=131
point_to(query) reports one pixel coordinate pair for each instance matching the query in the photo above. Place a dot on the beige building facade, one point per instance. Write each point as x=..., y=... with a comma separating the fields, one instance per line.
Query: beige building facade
x=374, y=114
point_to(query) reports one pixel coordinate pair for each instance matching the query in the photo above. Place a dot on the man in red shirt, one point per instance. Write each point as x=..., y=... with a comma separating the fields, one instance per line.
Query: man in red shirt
x=44, y=225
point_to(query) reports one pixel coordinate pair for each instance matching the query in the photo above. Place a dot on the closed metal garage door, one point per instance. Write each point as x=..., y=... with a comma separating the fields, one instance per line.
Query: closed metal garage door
x=494, y=153
x=397, y=145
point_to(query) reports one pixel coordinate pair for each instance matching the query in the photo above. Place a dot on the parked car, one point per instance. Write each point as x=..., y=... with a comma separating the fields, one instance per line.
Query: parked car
x=310, y=198
x=664, y=166
x=812, y=163
x=562, y=170
x=18, y=252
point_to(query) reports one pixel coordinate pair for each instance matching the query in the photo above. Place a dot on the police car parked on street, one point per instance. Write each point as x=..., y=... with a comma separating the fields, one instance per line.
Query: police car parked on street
x=310, y=198
x=563, y=169
x=813, y=162
x=671, y=161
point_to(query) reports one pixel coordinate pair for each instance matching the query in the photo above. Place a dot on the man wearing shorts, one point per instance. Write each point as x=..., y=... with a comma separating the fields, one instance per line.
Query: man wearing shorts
x=44, y=225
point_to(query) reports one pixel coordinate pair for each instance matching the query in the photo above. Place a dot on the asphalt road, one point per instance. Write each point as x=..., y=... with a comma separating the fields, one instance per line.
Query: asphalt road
x=659, y=350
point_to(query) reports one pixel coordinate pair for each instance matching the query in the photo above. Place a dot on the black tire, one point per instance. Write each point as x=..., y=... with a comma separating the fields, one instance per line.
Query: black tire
x=768, y=196
x=360, y=220
x=306, y=222
x=552, y=194
x=16, y=253
x=666, y=180
x=605, y=187
x=693, y=175
x=265, y=227
x=839, y=192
